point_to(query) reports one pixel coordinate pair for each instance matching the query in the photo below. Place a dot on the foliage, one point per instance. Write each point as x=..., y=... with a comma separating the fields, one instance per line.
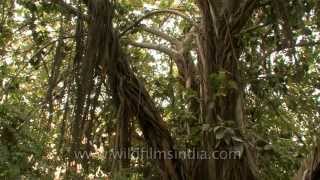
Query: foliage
x=279, y=72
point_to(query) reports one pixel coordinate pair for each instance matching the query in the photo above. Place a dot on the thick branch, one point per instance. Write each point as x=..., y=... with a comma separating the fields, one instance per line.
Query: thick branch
x=171, y=53
x=159, y=33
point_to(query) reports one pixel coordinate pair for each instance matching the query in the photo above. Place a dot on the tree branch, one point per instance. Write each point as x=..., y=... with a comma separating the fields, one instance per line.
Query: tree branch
x=253, y=28
x=153, y=13
x=159, y=33
x=171, y=53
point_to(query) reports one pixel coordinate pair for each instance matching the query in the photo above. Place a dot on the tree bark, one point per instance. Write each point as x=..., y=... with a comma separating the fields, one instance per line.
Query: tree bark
x=220, y=50
x=310, y=168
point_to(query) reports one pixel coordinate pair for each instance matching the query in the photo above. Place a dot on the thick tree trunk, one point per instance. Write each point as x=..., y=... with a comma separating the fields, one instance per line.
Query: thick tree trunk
x=220, y=50
x=128, y=92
